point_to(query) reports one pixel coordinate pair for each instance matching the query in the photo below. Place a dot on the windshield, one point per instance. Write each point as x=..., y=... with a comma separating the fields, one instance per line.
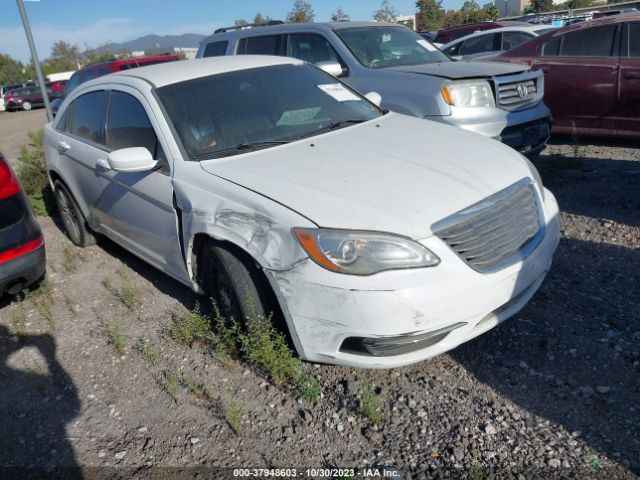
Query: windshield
x=381, y=47
x=233, y=112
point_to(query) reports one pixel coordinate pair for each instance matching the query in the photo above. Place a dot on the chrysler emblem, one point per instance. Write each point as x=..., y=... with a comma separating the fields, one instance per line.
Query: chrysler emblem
x=522, y=91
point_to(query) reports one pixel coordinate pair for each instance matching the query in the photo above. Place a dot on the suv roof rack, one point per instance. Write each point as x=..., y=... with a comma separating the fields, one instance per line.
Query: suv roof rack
x=249, y=25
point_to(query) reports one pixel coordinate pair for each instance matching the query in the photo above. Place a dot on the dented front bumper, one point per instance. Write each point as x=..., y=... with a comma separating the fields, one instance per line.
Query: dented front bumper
x=396, y=318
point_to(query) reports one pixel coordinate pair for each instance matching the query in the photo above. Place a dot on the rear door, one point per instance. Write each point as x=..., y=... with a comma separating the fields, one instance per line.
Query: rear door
x=628, y=106
x=78, y=143
x=136, y=209
x=581, y=77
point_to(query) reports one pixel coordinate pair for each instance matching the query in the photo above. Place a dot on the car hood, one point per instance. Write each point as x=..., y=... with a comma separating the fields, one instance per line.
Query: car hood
x=463, y=69
x=395, y=174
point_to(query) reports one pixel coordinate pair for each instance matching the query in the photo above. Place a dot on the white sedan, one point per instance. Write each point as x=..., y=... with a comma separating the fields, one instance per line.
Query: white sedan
x=270, y=186
x=494, y=41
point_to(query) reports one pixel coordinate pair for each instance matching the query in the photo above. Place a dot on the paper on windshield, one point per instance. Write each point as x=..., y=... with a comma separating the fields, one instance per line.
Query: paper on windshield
x=338, y=92
x=426, y=45
x=298, y=117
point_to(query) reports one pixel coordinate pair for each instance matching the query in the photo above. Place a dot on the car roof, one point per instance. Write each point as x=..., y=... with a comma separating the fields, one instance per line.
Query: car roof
x=591, y=23
x=284, y=27
x=130, y=61
x=168, y=73
x=522, y=28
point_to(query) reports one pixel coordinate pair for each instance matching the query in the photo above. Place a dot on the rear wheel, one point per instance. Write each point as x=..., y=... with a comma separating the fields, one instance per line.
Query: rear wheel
x=72, y=218
x=26, y=105
x=237, y=287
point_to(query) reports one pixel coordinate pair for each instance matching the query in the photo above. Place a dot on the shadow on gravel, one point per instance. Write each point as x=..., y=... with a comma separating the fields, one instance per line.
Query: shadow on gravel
x=571, y=356
x=606, y=188
x=35, y=406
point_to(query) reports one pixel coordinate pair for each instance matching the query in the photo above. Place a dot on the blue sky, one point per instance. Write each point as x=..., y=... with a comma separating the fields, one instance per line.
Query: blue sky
x=95, y=22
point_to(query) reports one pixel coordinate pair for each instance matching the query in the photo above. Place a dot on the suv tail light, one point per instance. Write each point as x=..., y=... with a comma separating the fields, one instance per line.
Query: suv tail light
x=9, y=185
x=21, y=250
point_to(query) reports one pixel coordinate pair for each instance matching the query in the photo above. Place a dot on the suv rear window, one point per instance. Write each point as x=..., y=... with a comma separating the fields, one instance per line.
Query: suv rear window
x=215, y=49
x=589, y=42
x=268, y=45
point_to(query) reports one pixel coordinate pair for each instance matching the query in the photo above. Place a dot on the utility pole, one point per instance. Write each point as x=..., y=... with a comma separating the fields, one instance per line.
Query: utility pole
x=34, y=57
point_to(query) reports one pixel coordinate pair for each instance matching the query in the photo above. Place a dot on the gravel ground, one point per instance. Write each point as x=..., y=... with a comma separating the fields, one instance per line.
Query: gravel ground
x=551, y=393
x=14, y=128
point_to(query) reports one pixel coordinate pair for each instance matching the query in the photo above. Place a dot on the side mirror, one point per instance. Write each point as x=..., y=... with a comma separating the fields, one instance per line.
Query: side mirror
x=134, y=159
x=374, y=97
x=332, y=68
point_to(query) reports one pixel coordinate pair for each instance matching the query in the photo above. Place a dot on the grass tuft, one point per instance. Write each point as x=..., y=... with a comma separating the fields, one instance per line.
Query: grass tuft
x=18, y=320
x=199, y=390
x=310, y=389
x=194, y=327
x=128, y=295
x=32, y=173
x=232, y=411
x=69, y=259
x=476, y=472
x=117, y=338
x=147, y=352
x=370, y=405
x=225, y=338
x=169, y=384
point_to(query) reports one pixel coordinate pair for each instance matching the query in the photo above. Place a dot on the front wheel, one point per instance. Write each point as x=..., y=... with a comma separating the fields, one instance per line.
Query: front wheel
x=72, y=218
x=26, y=106
x=236, y=287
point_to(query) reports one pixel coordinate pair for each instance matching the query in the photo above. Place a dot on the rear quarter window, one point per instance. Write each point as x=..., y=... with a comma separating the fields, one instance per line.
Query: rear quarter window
x=87, y=117
x=267, y=45
x=589, y=42
x=215, y=49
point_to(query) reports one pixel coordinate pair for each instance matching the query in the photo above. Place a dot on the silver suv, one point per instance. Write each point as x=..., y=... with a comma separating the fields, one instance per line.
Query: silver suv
x=501, y=101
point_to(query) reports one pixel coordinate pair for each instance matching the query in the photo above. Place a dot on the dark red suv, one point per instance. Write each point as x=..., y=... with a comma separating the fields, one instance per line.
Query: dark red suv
x=591, y=75
x=100, y=69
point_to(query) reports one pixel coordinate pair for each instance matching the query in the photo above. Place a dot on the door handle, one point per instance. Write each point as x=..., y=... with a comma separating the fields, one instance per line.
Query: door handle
x=63, y=147
x=102, y=162
x=631, y=75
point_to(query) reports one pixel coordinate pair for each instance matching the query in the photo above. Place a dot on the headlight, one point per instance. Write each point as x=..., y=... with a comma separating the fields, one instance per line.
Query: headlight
x=468, y=93
x=535, y=174
x=363, y=253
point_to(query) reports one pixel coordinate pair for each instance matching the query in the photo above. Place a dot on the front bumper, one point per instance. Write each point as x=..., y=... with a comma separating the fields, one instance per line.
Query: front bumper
x=25, y=269
x=326, y=310
x=525, y=130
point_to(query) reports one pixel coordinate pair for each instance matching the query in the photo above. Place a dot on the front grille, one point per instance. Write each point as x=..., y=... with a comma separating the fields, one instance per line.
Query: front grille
x=495, y=232
x=517, y=94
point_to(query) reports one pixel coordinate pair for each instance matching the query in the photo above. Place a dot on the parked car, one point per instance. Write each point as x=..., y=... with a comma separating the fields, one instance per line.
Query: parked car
x=22, y=253
x=24, y=98
x=412, y=75
x=4, y=90
x=592, y=75
x=99, y=69
x=447, y=35
x=269, y=185
x=493, y=41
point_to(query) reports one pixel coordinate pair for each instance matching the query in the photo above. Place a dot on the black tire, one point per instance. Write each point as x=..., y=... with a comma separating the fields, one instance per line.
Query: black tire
x=236, y=287
x=74, y=223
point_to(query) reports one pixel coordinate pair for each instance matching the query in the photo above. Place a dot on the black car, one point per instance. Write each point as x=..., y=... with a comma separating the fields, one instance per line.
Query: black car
x=22, y=253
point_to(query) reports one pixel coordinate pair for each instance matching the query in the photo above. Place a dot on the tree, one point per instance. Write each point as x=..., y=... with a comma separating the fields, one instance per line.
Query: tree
x=260, y=19
x=64, y=56
x=302, y=12
x=386, y=12
x=538, y=6
x=490, y=14
x=471, y=12
x=452, y=18
x=428, y=15
x=11, y=71
x=340, y=16
x=241, y=22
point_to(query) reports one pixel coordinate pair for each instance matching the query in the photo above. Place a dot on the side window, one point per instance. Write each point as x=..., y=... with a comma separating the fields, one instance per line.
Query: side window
x=73, y=83
x=269, y=45
x=513, y=39
x=312, y=48
x=589, y=42
x=87, y=117
x=215, y=49
x=482, y=43
x=634, y=39
x=129, y=126
x=453, y=50
x=551, y=48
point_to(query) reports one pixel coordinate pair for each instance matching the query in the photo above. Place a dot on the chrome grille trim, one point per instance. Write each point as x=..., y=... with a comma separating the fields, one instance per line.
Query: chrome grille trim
x=508, y=96
x=497, y=231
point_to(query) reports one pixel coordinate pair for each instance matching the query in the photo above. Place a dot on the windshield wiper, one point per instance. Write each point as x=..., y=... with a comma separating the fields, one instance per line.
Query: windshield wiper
x=332, y=126
x=240, y=148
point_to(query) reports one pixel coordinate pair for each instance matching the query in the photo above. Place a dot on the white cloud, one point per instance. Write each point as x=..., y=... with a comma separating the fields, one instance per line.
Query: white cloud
x=13, y=40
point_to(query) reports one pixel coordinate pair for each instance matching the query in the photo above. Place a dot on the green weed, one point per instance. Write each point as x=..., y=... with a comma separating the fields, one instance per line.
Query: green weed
x=169, y=384
x=370, y=405
x=194, y=327
x=32, y=173
x=117, y=338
